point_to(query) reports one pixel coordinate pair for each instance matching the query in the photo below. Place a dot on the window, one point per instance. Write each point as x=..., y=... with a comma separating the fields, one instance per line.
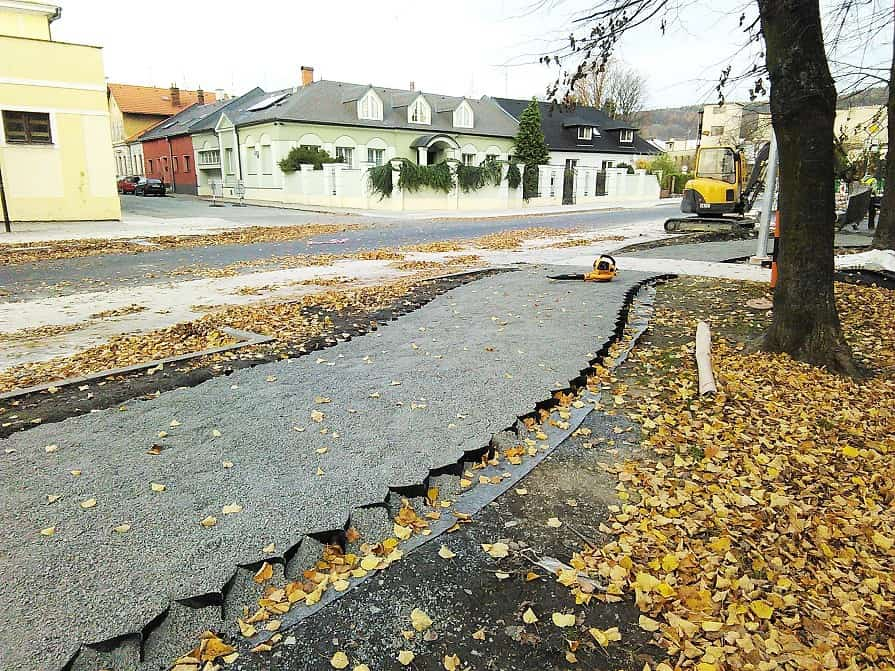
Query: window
x=186, y=163
x=175, y=163
x=150, y=165
x=370, y=107
x=251, y=160
x=717, y=131
x=375, y=156
x=468, y=159
x=717, y=163
x=463, y=116
x=27, y=127
x=228, y=156
x=571, y=164
x=345, y=155
x=266, y=160
x=626, y=135
x=491, y=157
x=419, y=112
x=585, y=133
x=209, y=157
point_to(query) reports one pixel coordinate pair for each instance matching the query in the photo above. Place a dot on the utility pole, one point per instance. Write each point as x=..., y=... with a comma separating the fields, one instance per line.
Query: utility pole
x=767, y=202
x=3, y=205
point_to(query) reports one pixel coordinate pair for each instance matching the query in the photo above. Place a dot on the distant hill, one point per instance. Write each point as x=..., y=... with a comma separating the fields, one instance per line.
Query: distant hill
x=670, y=122
x=683, y=122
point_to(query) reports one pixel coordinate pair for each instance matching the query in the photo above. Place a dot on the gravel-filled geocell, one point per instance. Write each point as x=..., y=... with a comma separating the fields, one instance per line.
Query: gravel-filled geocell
x=467, y=364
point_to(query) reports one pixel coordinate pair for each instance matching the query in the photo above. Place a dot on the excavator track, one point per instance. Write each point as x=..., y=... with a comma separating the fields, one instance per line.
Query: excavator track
x=707, y=225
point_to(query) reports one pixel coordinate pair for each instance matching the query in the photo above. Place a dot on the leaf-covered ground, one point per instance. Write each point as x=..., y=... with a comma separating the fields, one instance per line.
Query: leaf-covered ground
x=758, y=532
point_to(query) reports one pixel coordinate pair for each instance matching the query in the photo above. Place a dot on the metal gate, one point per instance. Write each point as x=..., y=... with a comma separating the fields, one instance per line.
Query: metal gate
x=568, y=187
x=600, y=187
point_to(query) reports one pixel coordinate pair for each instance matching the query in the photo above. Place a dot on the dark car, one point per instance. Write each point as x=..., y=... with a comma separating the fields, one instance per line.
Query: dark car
x=149, y=186
x=128, y=184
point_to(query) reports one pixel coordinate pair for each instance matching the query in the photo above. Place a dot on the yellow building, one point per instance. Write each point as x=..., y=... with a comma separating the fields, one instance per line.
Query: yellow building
x=55, y=141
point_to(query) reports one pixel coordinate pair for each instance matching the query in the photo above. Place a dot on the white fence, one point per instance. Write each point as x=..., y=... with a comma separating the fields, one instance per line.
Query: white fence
x=588, y=185
x=340, y=186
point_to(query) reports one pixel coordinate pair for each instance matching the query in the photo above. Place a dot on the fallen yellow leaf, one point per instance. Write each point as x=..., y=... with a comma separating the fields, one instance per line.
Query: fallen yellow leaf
x=563, y=619
x=406, y=657
x=420, y=620
x=89, y=503
x=209, y=521
x=339, y=660
x=445, y=552
x=263, y=574
x=529, y=617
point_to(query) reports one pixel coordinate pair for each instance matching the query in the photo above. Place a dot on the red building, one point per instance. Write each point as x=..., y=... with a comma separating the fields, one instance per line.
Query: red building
x=168, y=148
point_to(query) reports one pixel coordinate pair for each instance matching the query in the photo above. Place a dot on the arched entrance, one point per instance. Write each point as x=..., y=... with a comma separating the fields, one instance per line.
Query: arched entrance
x=432, y=149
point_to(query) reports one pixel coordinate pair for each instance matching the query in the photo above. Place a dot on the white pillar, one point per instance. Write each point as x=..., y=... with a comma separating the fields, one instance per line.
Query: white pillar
x=422, y=155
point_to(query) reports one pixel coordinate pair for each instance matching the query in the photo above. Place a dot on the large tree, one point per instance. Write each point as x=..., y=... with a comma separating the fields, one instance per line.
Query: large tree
x=805, y=322
x=803, y=108
x=614, y=88
x=530, y=147
x=884, y=238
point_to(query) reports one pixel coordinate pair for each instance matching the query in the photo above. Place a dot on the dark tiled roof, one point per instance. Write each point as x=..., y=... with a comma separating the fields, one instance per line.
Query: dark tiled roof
x=233, y=107
x=330, y=102
x=199, y=117
x=560, y=125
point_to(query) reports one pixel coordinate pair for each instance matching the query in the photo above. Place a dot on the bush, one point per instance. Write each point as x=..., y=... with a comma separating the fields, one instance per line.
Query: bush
x=680, y=180
x=474, y=177
x=379, y=178
x=299, y=156
x=626, y=165
x=530, y=177
x=514, y=177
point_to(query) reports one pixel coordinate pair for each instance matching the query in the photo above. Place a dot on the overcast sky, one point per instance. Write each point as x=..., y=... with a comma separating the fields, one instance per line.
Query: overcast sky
x=463, y=47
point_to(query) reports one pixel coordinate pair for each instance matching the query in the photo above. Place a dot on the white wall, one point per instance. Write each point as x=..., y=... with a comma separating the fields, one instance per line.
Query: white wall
x=620, y=186
x=595, y=159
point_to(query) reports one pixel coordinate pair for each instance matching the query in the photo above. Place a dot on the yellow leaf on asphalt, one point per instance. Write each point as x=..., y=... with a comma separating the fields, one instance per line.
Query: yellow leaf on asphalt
x=317, y=416
x=232, y=657
x=231, y=509
x=341, y=585
x=339, y=660
x=605, y=637
x=369, y=562
x=263, y=574
x=648, y=623
x=496, y=550
x=451, y=663
x=122, y=528
x=89, y=503
x=445, y=552
x=322, y=399
x=48, y=531
x=402, y=532
x=227, y=464
x=247, y=630
x=268, y=548
x=209, y=521
x=51, y=448
x=157, y=487
x=52, y=498
x=529, y=617
x=554, y=523
x=361, y=667
x=420, y=620
x=406, y=657
x=521, y=491
x=75, y=472
x=272, y=625
x=563, y=619
x=479, y=635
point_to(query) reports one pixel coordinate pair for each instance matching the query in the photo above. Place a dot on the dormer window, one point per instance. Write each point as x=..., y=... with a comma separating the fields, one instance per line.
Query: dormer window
x=419, y=111
x=585, y=133
x=463, y=117
x=370, y=107
x=626, y=135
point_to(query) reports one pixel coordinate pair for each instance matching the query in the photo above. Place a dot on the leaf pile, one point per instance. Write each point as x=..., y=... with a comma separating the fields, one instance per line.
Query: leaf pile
x=763, y=534
x=31, y=252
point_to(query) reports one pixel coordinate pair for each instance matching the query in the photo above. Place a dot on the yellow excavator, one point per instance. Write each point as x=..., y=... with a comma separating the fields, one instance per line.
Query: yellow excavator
x=720, y=194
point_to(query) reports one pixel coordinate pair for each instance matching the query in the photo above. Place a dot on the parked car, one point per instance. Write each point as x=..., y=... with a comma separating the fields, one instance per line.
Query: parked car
x=146, y=186
x=127, y=184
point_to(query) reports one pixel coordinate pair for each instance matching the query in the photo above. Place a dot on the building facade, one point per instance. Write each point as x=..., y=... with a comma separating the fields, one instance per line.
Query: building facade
x=360, y=125
x=55, y=142
x=135, y=109
x=582, y=136
x=863, y=129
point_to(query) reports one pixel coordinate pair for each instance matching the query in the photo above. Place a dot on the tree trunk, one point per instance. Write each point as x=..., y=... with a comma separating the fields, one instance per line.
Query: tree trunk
x=884, y=238
x=805, y=323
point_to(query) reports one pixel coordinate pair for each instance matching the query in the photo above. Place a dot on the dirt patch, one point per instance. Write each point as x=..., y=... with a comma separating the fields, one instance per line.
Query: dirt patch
x=686, y=239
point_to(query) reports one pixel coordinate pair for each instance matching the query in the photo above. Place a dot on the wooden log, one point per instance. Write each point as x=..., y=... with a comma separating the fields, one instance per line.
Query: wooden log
x=704, y=360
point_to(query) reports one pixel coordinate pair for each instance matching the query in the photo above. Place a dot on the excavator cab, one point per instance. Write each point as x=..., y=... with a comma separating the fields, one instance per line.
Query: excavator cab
x=718, y=184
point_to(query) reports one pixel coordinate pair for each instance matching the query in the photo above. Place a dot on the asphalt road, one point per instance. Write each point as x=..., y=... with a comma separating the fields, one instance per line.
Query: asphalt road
x=69, y=276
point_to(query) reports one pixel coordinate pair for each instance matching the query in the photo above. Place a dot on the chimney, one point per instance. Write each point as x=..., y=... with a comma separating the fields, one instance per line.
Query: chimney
x=200, y=96
x=412, y=85
x=307, y=75
x=175, y=95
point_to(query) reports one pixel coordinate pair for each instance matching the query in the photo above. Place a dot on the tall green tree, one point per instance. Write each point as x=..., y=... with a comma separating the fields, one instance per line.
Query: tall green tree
x=530, y=147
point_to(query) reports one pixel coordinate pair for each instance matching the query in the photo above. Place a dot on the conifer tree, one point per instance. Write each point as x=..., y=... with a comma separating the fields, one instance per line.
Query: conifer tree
x=530, y=147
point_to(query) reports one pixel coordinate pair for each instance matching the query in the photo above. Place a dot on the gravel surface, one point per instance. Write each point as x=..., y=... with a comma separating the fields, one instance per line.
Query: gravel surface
x=411, y=397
